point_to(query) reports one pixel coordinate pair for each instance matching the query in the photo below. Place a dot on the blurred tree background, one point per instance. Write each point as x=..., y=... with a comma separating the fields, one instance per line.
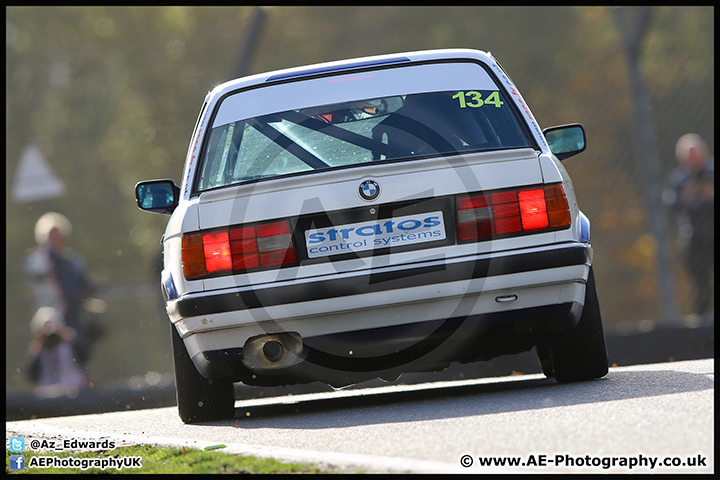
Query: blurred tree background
x=109, y=96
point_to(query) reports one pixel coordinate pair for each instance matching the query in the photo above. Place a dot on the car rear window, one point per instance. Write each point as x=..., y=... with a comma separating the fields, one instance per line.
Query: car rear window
x=353, y=119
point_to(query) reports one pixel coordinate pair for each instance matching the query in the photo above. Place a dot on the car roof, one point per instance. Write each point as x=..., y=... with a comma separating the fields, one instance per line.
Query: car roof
x=348, y=64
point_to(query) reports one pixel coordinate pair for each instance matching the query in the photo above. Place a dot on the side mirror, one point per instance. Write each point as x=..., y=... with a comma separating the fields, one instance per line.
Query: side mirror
x=157, y=196
x=566, y=140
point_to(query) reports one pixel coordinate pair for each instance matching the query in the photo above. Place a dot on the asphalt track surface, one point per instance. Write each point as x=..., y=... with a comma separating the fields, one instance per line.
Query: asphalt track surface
x=630, y=421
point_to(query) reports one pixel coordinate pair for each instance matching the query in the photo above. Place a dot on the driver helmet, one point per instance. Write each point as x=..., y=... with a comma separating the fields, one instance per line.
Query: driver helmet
x=367, y=108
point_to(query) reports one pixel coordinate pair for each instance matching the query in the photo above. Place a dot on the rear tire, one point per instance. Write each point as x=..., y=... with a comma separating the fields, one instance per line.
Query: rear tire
x=580, y=354
x=199, y=399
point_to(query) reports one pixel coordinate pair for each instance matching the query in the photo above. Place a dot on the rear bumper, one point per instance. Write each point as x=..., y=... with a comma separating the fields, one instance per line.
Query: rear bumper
x=345, y=358
x=380, y=314
x=379, y=280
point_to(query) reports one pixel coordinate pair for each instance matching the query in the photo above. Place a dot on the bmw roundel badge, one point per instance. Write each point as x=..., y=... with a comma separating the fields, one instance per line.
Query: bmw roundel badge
x=369, y=190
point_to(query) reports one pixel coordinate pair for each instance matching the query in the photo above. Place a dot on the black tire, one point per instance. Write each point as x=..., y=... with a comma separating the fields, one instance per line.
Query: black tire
x=198, y=398
x=580, y=354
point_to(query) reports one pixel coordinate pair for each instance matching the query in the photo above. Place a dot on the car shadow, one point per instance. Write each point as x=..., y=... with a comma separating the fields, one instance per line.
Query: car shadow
x=456, y=399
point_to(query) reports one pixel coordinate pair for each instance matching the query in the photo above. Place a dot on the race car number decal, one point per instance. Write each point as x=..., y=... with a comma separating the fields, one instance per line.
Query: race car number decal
x=474, y=99
x=389, y=232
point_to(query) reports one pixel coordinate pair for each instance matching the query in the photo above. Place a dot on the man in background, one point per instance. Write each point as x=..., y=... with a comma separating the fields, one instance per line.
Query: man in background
x=690, y=195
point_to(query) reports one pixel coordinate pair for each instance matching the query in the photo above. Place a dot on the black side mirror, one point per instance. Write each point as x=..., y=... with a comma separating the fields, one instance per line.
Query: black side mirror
x=566, y=140
x=157, y=196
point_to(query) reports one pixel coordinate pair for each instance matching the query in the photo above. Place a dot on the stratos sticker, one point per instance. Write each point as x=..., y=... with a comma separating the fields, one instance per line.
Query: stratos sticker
x=390, y=232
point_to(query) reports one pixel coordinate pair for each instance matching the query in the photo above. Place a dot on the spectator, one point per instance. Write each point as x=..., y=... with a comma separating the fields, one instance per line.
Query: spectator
x=51, y=360
x=690, y=195
x=59, y=280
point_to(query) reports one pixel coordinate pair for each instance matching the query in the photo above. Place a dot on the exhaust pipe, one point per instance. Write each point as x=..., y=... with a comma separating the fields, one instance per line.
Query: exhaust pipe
x=272, y=352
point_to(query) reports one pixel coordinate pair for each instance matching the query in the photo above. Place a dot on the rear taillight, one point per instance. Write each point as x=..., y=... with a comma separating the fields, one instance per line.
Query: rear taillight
x=237, y=250
x=526, y=210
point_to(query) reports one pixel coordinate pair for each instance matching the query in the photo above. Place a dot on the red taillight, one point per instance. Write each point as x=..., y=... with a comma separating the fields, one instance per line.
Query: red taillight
x=506, y=213
x=243, y=248
x=216, y=248
x=474, y=217
x=527, y=210
x=237, y=249
x=533, y=209
x=275, y=244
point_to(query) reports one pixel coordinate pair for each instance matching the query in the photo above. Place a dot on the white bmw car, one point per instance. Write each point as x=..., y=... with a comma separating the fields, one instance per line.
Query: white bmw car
x=364, y=218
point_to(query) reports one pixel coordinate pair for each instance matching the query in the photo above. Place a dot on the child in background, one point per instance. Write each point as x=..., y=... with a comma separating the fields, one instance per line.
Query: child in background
x=52, y=365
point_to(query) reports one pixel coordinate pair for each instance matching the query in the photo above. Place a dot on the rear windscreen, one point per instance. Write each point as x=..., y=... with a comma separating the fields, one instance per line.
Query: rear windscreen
x=346, y=120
